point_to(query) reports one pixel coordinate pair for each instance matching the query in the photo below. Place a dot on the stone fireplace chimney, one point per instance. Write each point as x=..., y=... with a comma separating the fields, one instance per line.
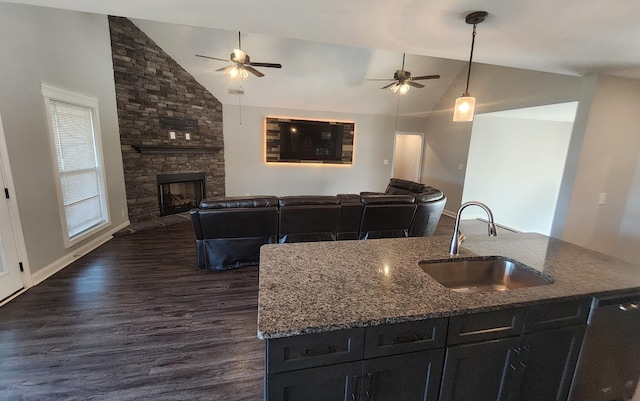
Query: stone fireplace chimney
x=169, y=123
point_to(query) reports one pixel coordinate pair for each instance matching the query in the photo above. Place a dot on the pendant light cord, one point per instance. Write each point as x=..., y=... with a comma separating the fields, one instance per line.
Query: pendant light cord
x=473, y=41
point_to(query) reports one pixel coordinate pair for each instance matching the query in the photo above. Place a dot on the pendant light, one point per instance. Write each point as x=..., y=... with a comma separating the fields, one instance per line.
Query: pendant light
x=465, y=105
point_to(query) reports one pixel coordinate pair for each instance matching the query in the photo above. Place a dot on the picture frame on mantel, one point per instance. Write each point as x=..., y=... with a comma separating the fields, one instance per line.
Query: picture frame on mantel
x=290, y=140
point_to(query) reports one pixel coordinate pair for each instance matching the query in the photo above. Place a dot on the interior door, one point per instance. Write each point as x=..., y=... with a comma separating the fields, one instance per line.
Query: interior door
x=407, y=156
x=10, y=276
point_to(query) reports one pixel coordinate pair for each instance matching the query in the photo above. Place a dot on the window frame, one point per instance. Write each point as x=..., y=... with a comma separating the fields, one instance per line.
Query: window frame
x=50, y=92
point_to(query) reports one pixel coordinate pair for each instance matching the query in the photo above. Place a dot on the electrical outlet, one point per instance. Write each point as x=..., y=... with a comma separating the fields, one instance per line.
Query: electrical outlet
x=602, y=199
x=187, y=136
x=172, y=135
x=385, y=161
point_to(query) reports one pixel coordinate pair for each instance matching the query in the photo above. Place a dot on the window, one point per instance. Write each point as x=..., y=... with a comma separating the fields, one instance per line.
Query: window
x=75, y=140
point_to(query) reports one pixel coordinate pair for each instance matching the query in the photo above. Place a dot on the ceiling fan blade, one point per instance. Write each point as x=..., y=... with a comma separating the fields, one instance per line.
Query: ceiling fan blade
x=212, y=58
x=225, y=69
x=415, y=84
x=379, y=79
x=270, y=65
x=389, y=86
x=426, y=77
x=253, y=71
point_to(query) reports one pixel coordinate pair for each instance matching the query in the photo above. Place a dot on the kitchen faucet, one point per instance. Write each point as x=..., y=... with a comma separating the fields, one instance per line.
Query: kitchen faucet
x=458, y=238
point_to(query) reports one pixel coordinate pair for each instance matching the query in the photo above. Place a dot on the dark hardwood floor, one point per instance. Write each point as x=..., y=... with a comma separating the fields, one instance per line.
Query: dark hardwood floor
x=135, y=320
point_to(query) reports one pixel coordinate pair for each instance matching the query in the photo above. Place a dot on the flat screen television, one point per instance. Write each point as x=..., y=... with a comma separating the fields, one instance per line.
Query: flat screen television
x=302, y=140
x=308, y=141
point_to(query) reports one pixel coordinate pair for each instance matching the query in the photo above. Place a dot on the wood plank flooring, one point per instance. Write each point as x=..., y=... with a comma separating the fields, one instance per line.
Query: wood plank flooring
x=135, y=320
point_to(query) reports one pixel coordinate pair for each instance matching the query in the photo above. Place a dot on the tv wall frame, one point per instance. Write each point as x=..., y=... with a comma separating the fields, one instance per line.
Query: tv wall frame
x=272, y=141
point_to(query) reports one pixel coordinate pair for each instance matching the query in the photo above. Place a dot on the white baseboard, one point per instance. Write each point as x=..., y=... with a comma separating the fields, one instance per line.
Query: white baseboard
x=6, y=300
x=449, y=213
x=76, y=254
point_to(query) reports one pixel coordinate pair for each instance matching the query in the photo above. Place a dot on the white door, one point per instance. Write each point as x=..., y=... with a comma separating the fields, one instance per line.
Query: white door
x=10, y=276
x=407, y=156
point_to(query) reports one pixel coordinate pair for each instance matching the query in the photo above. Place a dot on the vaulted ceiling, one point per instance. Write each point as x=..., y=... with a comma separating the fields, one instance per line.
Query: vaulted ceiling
x=329, y=48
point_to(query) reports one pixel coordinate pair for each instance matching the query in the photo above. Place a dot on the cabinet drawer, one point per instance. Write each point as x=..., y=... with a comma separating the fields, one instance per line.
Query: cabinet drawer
x=557, y=314
x=311, y=350
x=485, y=326
x=399, y=338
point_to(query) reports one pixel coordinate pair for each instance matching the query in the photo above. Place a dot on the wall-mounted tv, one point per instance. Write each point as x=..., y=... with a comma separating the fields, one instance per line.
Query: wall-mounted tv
x=299, y=141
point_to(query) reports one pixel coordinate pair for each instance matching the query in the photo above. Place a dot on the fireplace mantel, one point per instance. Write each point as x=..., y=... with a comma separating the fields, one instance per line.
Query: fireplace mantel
x=175, y=149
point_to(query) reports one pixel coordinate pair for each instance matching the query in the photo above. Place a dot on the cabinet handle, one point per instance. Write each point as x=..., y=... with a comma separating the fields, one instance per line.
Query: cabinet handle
x=354, y=390
x=317, y=352
x=370, y=393
x=406, y=339
x=628, y=307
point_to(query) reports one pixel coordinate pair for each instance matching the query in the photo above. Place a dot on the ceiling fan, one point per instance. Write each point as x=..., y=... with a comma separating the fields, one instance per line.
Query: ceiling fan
x=404, y=80
x=240, y=65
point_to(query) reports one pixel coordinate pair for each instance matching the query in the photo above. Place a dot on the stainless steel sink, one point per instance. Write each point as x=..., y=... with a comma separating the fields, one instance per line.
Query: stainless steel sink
x=482, y=274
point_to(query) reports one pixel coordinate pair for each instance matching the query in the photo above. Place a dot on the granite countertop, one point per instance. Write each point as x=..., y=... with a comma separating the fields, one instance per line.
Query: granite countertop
x=322, y=286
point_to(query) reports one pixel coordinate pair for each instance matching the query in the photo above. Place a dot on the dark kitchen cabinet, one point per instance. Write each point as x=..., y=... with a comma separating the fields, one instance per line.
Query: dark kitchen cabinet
x=550, y=364
x=394, y=362
x=408, y=377
x=535, y=366
x=326, y=383
x=518, y=354
x=483, y=371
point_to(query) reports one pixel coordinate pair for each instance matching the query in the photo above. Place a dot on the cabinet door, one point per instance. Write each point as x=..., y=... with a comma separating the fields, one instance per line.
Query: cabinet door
x=328, y=383
x=409, y=377
x=551, y=362
x=485, y=371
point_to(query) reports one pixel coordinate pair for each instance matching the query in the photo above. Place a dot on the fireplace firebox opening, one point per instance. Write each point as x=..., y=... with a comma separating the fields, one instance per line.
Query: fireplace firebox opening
x=179, y=193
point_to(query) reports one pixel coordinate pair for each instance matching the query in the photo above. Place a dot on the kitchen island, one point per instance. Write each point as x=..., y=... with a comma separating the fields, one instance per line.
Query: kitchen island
x=361, y=318
x=324, y=286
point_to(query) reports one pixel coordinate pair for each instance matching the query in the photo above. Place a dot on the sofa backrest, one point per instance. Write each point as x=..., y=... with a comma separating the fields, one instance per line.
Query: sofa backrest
x=386, y=216
x=308, y=218
x=351, y=208
x=398, y=186
x=230, y=231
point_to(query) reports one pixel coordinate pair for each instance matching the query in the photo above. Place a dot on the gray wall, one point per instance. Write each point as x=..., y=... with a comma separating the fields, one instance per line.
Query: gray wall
x=70, y=50
x=609, y=163
x=496, y=89
x=247, y=173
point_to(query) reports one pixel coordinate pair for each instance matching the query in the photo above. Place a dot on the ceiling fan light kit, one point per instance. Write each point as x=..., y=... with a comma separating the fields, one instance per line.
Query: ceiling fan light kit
x=464, y=108
x=403, y=80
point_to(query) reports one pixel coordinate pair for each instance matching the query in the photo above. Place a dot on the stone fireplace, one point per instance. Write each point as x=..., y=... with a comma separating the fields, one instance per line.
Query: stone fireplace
x=170, y=126
x=179, y=193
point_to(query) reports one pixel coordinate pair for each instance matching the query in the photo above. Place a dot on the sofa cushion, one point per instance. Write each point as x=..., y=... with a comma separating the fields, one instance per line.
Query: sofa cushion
x=239, y=202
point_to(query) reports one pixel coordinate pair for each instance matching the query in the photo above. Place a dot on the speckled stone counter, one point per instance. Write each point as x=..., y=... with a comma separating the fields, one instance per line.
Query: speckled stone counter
x=323, y=286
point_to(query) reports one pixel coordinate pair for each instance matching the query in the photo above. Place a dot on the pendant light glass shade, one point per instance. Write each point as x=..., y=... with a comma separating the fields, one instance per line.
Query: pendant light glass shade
x=464, y=108
x=465, y=105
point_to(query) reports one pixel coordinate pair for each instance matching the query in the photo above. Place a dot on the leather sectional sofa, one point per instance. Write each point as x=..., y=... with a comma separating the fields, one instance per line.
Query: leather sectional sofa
x=229, y=231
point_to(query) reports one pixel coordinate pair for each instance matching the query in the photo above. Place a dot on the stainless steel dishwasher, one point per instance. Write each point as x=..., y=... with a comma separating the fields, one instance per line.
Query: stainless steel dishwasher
x=609, y=365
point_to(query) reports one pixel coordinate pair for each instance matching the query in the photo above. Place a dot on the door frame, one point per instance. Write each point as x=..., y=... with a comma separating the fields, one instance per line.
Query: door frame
x=14, y=214
x=421, y=163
